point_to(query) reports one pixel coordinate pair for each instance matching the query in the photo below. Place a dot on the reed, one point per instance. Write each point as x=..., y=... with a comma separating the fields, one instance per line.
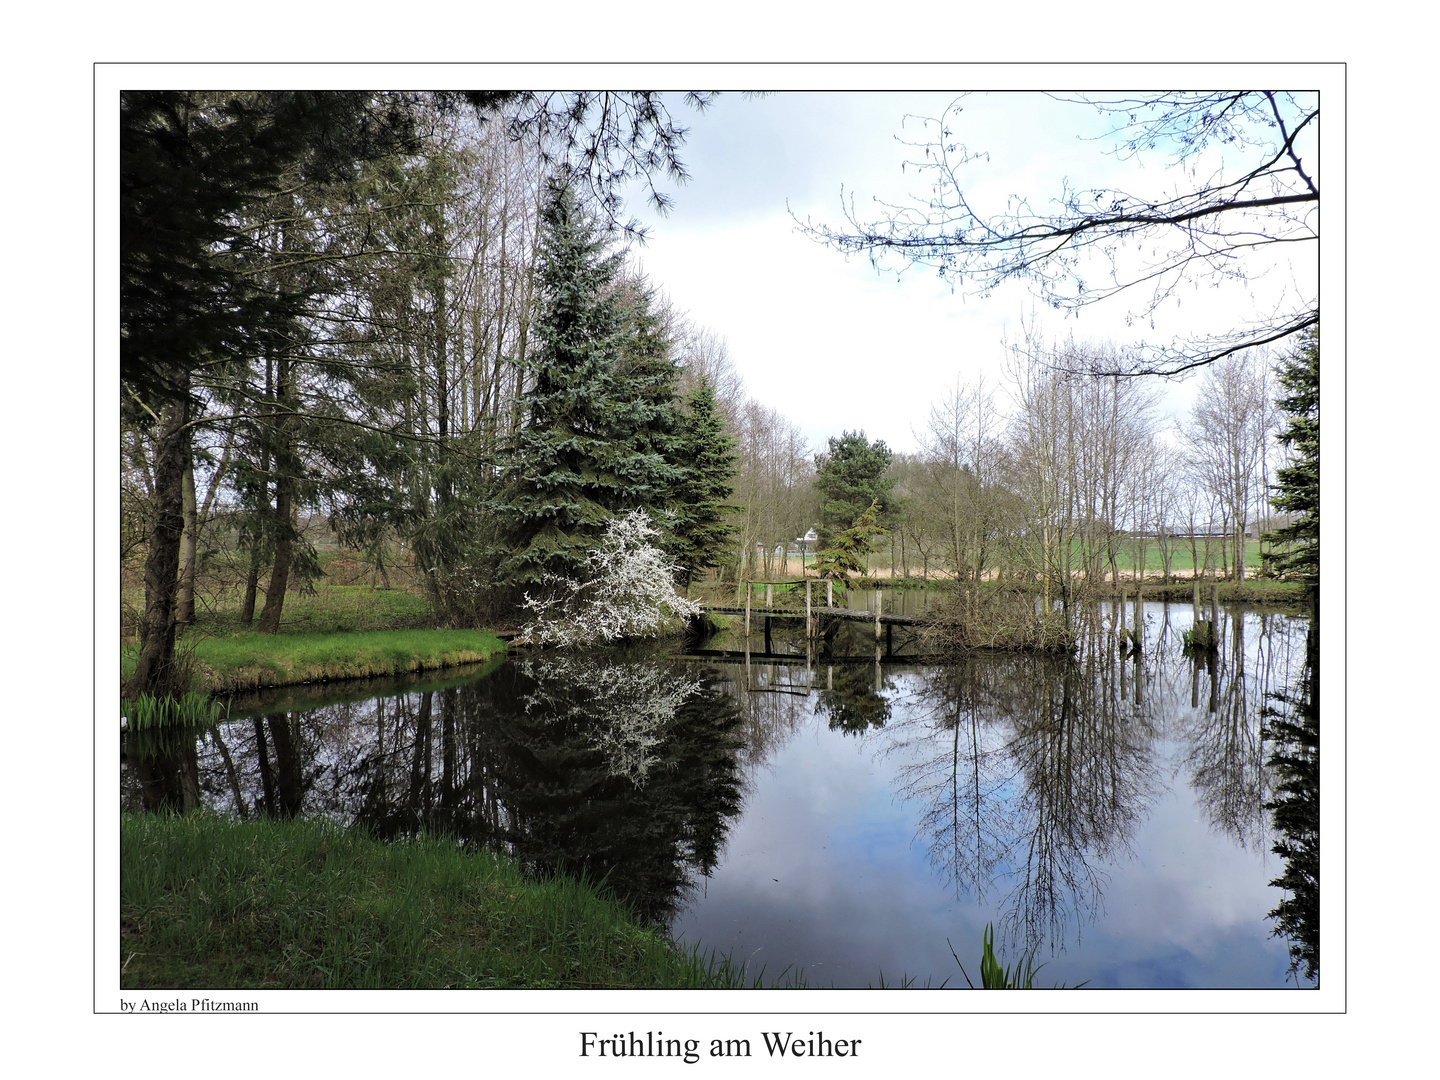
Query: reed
x=192, y=709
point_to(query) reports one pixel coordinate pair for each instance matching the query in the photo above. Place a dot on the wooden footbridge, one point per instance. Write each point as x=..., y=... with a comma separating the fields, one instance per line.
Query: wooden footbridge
x=816, y=616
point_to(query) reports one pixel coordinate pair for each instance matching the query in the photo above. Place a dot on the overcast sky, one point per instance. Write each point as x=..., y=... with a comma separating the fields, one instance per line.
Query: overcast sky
x=829, y=341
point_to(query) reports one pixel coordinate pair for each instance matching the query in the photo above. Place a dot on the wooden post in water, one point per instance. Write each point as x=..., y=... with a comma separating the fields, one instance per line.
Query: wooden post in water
x=829, y=592
x=1139, y=620
x=769, y=595
x=1120, y=616
x=809, y=620
x=747, y=611
x=877, y=615
x=1215, y=615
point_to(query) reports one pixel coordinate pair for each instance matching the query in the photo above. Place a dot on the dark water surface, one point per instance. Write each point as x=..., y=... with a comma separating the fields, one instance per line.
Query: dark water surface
x=838, y=819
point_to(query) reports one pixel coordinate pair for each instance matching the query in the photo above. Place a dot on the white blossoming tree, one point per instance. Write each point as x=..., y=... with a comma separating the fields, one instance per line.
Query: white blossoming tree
x=628, y=591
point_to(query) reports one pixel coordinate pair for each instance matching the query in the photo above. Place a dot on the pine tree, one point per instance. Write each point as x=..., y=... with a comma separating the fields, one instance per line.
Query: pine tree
x=700, y=536
x=847, y=550
x=849, y=478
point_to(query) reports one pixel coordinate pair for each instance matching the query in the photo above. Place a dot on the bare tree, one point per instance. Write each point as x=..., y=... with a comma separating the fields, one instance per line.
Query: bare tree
x=962, y=453
x=1229, y=436
x=1242, y=187
x=774, y=490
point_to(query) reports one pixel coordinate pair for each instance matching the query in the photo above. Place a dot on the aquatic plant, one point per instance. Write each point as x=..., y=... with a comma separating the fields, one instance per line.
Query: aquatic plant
x=994, y=976
x=146, y=713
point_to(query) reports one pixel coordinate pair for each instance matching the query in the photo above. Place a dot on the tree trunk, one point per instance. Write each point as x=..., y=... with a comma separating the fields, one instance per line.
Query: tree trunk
x=185, y=615
x=155, y=670
x=252, y=583
x=284, y=551
x=285, y=471
x=257, y=539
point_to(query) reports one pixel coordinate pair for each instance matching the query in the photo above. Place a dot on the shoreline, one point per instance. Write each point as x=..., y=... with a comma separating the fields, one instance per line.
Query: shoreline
x=252, y=661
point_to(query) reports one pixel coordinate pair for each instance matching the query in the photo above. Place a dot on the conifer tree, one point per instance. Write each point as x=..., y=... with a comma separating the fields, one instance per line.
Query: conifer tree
x=850, y=477
x=1298, y=487
x=701, y=537
x=648, y=420
x=598, y=411
x=846, y=551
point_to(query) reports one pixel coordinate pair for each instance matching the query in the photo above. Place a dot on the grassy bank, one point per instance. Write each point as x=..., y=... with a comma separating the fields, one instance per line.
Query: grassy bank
x=208, y=903
x=248, y=660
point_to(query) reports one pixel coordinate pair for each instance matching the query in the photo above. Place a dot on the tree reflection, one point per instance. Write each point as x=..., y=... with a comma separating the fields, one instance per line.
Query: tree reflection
x=1293, y=725
x=1033, y=775
x=1086, y=753
x=623, y=770
x=961, y=773
x=642, y=809
x=851, y=700
x=162, y=767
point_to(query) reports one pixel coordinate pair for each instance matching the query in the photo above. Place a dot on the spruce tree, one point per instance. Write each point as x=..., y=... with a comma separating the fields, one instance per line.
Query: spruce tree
x=648, y=421
x=700, y=536
x=1298, y=487
x=598, y=409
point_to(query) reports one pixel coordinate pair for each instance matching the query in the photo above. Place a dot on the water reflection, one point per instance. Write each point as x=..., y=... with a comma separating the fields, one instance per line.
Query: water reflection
x=1030, y=783
x=624, y=770
x=1293, y=726
x=1034, y=774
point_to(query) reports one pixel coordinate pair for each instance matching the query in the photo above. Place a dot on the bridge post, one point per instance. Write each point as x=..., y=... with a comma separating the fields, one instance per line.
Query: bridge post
x=809, y=622
x=747, y=611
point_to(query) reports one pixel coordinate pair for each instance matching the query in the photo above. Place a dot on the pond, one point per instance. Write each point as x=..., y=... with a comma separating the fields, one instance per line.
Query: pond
x=829, y=818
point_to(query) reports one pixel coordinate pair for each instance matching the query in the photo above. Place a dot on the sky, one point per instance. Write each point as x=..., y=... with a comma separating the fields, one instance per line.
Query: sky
x=827, y=339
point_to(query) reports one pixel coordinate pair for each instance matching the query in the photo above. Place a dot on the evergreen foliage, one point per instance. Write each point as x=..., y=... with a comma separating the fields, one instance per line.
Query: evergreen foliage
x=648, y=417
x=699, y=535
x=1298, y=488
x=850, y=477
x=598, y=411
x=1294, y=731
x=846, y=551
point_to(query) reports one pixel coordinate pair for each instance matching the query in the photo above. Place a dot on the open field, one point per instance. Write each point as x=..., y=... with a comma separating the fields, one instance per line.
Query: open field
x=1182, y=564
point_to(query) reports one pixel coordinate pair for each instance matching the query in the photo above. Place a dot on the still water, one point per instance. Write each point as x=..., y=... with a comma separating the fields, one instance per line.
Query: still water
x=830, y=818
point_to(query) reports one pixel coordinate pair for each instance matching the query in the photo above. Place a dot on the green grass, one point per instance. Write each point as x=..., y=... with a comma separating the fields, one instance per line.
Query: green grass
x=332, y=607
x=1181, y=561
x=209, y=903
x=246, y=660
